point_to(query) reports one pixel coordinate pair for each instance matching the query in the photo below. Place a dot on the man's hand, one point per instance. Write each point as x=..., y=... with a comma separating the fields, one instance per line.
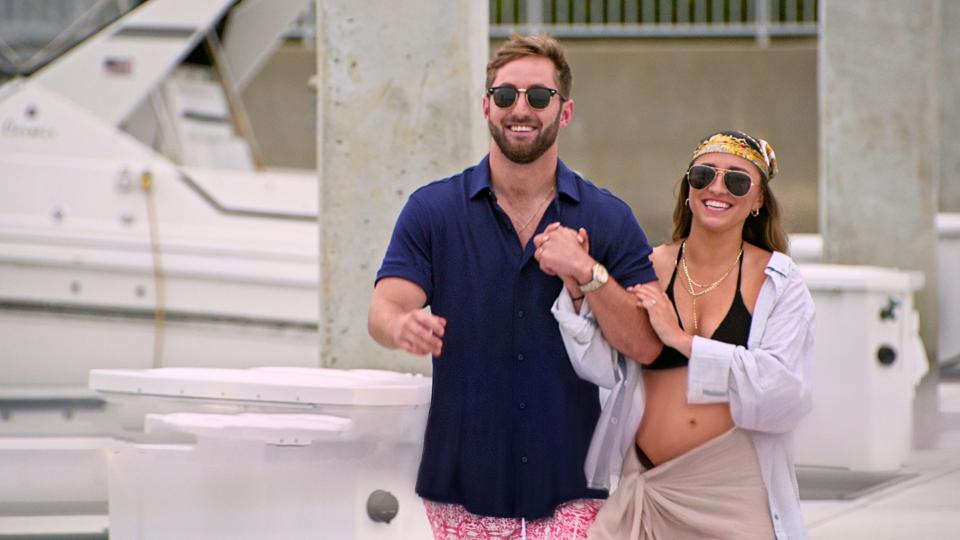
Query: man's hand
x=418, y=332
x=398, y=321
x=562, y=251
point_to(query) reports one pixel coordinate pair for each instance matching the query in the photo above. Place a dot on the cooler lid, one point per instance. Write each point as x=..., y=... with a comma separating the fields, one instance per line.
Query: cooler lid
x=300, y=386
x=859, y=278
x=279, y=429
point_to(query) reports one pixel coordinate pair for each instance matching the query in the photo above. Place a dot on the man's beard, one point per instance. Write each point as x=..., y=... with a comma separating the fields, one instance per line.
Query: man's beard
x=523, y=154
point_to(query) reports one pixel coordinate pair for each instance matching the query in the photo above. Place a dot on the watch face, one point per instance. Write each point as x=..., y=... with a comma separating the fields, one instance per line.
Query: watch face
x=600, y=273
x=599, y=278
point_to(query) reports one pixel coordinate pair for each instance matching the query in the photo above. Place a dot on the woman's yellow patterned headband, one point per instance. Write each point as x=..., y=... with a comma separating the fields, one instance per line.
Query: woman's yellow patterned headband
x=724, y=143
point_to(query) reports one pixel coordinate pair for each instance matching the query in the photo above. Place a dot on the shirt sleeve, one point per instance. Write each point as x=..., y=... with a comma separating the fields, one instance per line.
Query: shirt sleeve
x=768, y=385
x=409, y=252
x=591, y=355
x=628, y=256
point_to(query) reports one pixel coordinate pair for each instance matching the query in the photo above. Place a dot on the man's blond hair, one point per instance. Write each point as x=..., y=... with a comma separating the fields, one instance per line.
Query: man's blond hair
x=519, y=46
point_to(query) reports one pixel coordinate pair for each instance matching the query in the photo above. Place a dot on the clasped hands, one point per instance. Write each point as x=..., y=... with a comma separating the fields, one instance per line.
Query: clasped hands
x=564, y=252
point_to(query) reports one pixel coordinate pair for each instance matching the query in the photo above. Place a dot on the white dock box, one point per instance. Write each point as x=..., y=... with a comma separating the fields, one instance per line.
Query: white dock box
x=808, y=248
x=266, y=453
x=868, y=361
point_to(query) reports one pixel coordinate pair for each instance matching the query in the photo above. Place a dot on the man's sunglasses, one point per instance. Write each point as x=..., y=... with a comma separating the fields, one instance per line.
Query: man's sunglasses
x=738, y=182
x=538, y=97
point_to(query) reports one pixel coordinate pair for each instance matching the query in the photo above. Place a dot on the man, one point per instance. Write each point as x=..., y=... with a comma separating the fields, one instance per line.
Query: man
x=510, y=422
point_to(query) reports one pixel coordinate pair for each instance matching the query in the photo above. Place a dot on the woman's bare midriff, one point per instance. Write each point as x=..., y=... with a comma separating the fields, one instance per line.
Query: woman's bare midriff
x=671, y=426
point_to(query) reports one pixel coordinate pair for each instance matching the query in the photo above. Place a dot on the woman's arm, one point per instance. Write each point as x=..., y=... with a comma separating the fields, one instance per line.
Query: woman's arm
x=768, y=385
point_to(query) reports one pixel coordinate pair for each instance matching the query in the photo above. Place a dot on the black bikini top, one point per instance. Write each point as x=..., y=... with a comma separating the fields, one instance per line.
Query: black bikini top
x=733, y=329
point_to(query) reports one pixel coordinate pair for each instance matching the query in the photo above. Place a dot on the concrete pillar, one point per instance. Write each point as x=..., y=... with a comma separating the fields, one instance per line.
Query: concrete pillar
x=399, y=89
x=878, y=82
x=879, y=64
x=950, y=107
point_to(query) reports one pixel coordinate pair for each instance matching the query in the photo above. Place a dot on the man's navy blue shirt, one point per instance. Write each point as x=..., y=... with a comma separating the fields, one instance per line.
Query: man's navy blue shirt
x=510, y=421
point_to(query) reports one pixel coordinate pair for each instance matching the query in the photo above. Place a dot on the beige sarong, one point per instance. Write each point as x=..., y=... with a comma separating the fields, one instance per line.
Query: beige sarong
x=714, y=491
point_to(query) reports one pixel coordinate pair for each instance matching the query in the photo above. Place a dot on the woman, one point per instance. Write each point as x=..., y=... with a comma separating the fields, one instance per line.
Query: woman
x=700, y=437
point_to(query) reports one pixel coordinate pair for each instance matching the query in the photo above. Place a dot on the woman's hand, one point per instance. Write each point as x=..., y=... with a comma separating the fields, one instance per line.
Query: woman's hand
x=663, y=317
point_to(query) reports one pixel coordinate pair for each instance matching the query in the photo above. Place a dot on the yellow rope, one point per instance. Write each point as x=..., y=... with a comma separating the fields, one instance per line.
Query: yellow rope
x=159, y=313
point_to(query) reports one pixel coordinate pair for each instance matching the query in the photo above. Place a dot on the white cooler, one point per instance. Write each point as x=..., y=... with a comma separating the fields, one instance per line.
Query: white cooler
x=868, y=360
x=808, y=248
x=266, y=453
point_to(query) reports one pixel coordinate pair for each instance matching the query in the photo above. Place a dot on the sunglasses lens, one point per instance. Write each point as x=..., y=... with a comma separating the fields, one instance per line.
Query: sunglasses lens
x=738, y=183
x=700, y=176
x=505, y=96
x=538, y=98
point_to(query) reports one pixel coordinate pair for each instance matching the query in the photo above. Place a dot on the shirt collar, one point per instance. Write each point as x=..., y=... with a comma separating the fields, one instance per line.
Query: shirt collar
x=779, y=269
x=478, y=182
x=780, y=263
x=567, y=182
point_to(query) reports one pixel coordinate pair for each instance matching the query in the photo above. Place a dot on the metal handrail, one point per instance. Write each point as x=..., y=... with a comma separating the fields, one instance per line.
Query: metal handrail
x=760, y=19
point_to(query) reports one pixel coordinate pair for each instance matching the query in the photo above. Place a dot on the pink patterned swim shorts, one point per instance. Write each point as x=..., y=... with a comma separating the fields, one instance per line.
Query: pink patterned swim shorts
x=570, y=521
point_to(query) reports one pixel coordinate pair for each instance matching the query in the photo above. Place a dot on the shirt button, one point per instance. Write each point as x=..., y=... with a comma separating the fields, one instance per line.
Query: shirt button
x=520, y=356
x=523, y=459
x=523, y=405
x=520, y=314
x=614, y=420
x=776, y=517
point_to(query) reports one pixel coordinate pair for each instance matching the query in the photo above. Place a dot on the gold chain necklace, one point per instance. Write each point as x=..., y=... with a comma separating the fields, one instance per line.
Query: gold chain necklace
x=706, y=288
x=535, y=212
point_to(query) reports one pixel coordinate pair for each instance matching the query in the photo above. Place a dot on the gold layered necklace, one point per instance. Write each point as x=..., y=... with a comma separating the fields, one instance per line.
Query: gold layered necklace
x=704, y=289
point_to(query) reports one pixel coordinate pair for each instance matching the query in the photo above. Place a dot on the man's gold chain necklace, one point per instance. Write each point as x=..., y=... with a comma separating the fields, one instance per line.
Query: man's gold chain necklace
x=536, y=212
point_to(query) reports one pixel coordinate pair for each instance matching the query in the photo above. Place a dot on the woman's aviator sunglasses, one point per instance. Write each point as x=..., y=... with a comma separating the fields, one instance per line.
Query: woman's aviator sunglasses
x=738, y=182
x=538, y=97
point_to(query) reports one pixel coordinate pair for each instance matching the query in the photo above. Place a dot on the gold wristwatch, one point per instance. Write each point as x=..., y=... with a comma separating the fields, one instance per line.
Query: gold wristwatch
x=600, y=277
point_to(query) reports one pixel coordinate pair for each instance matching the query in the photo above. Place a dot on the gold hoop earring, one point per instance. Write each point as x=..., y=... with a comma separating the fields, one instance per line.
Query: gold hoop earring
x=755, y=212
